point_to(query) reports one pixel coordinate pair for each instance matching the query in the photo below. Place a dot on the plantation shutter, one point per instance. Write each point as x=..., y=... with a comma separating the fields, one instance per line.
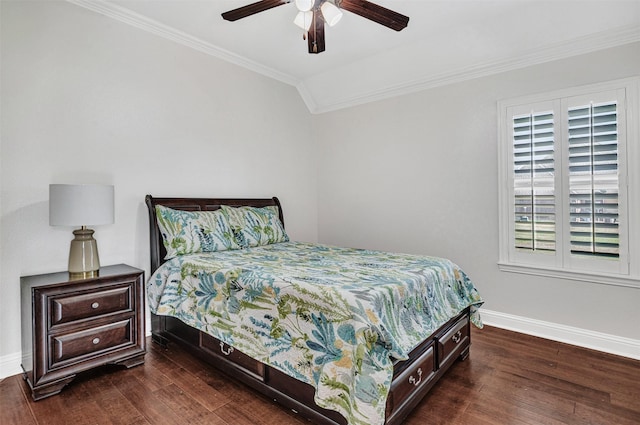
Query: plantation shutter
x=593, y=179
x=568, y=183
x=533, y=181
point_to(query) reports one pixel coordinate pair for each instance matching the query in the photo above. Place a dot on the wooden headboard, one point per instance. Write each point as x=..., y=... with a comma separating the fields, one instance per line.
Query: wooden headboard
x=158, y=251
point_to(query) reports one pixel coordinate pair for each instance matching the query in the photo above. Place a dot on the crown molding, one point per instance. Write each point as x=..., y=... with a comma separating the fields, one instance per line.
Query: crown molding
x=307, y=97
x=575, y=47
x=152, y=26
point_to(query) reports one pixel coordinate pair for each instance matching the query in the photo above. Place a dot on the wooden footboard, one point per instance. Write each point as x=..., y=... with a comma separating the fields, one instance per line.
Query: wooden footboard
x=412, y=379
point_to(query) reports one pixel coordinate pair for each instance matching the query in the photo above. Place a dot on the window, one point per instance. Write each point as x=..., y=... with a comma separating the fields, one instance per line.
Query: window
x=568, y=191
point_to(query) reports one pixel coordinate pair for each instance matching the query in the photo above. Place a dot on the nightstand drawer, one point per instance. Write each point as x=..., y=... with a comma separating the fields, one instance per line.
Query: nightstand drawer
x=74, y=345
x=65, y=309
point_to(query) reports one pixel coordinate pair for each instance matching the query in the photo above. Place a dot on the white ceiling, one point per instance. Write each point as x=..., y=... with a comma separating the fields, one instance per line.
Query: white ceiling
x=445, y=41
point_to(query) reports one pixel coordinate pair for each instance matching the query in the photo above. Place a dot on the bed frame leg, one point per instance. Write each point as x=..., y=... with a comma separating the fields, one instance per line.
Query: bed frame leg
x=160, y=340
x=158, y=327
x=464, y=355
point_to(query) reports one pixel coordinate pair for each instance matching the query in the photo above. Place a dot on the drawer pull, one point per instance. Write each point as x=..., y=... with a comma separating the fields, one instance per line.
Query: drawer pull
x=95, y=341
x=95, y=305
x=227, y=352
x=457, y=337
x=413, y=381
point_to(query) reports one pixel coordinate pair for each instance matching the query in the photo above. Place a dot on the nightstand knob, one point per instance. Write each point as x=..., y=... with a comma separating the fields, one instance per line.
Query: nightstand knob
x=95, y=305
x=96, y=341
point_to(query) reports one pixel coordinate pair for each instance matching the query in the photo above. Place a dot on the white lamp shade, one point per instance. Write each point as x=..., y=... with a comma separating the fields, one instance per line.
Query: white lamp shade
x=303, y=20
x=80, y=204
x=304, y=5
x=331, y=13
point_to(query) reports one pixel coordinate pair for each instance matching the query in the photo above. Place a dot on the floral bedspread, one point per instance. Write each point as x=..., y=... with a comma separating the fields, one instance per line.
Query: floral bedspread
x=332, y=317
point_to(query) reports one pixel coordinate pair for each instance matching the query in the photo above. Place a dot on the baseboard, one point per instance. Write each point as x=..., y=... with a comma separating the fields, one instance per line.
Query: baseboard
x=626, y=347
x=607, y=343
x=10, y=365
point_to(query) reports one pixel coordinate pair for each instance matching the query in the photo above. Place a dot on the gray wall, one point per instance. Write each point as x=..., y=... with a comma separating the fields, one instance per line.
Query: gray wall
x=419, y=174
x=87, y=99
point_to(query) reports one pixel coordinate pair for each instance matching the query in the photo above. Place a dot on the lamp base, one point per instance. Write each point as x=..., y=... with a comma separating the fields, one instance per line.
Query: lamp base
x=83, y=255
x=84, y=275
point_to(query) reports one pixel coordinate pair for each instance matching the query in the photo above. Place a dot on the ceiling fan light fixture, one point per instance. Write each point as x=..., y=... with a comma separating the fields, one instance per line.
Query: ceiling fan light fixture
x=304, y=19
x=322, y=13
x=304, y=5
x=331, y=13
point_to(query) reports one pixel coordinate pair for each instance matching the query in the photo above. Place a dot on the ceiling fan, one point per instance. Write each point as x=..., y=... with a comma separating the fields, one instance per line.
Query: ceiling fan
x=313, y=14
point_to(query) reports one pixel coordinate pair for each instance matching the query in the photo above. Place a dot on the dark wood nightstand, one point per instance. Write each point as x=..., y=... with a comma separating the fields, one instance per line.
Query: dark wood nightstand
x=69, y=326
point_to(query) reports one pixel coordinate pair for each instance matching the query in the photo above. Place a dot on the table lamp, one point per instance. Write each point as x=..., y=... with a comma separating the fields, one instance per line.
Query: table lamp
x=81, y=205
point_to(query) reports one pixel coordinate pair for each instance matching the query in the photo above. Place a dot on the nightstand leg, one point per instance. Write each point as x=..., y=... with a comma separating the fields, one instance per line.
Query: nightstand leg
x=43, y=391
x=133, y=361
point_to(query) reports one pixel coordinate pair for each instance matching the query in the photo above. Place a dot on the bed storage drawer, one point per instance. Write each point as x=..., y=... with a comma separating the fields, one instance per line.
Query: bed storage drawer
x=231, y=356
x=411, y=380
x=453, y=341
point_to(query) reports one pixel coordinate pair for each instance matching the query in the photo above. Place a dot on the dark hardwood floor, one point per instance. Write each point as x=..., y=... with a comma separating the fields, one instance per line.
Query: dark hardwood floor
x=509, y=378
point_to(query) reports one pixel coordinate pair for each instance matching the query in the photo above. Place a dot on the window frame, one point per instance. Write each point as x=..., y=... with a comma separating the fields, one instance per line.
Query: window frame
x=562, y=264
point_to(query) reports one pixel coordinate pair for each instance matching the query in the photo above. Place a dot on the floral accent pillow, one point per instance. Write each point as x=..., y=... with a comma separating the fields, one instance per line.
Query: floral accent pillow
x=189, y=232
x=254, y=226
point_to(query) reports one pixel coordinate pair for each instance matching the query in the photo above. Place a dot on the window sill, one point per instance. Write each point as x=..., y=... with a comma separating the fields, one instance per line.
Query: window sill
x=626, y=281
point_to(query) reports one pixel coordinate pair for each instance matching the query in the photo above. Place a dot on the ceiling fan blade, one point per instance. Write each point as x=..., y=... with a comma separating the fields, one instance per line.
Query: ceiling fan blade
x=315, y=35
x=376, y=13
x=252, y=9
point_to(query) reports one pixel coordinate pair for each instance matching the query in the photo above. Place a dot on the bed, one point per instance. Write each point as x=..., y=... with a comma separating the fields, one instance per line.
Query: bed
x=337, y=335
